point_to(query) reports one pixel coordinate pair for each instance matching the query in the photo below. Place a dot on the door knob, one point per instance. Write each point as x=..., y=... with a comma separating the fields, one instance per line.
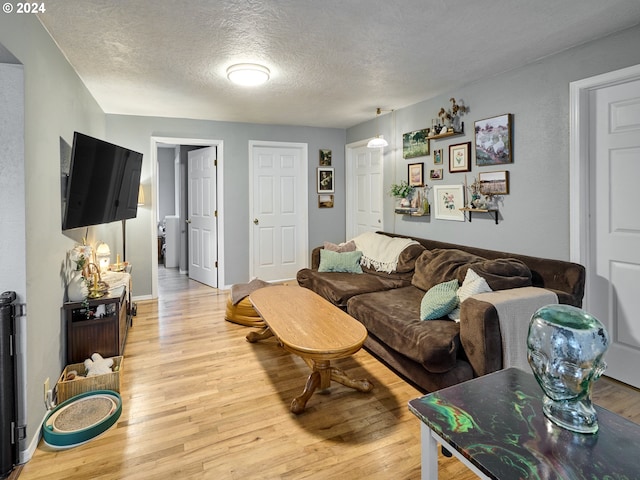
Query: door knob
x=256, y=221
x=188, y=220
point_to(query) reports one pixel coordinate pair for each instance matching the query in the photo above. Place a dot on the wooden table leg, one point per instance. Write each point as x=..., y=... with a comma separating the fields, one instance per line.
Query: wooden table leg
x=253, y=337
x=320, y=378
x=339, y=376
x=299, y=403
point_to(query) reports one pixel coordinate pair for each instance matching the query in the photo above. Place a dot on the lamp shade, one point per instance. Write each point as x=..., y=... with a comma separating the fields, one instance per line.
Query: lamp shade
x=377, y=142
x=103, y=256
x=140, y=196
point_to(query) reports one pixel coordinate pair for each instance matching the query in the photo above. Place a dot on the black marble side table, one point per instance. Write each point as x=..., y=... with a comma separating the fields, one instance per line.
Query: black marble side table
x=494, y=424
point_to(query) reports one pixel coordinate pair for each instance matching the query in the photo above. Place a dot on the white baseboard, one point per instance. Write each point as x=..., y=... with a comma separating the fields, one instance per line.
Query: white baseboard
x=140, y=298
x=25, y=455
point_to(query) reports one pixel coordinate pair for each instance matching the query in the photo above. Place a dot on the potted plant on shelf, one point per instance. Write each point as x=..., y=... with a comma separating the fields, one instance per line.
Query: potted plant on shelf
x=402, y=191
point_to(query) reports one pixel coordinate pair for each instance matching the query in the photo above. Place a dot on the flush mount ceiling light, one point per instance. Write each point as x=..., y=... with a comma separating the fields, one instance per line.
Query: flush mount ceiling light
x=248, y=74
x=378, y=141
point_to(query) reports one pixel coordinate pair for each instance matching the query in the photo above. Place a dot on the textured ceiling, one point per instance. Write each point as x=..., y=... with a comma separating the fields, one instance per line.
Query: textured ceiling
x=332, y=61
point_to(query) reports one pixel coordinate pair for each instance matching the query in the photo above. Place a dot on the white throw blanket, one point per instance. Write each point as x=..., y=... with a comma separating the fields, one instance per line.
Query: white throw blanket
x=515, y=308
x=380, y=251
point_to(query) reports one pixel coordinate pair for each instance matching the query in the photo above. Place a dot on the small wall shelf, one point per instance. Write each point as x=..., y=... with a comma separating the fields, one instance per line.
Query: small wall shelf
x=448, y=134
x=410, y=213
x=493, y=211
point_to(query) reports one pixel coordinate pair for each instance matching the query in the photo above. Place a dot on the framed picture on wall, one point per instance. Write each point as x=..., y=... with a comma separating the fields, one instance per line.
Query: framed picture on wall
x=437, y=156
x=325, y=157
x=325, y=201
x=435, y=174
x=459, y=157
x=494, y=183
x=416, y=174
x=493, y=140
x=325, y=180
x=415, y=144
x=448, y=200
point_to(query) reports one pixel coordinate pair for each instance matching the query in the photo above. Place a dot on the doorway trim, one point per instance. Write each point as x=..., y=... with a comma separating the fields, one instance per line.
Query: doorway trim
x=579, y=159
x=203, y=142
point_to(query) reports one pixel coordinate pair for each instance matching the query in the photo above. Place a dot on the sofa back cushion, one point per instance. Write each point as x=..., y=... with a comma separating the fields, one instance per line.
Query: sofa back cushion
x=408, y=257
x=504, y=273
x=442, y=265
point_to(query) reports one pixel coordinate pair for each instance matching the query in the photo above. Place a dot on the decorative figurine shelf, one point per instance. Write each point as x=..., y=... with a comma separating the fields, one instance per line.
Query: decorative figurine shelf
x=448, y=134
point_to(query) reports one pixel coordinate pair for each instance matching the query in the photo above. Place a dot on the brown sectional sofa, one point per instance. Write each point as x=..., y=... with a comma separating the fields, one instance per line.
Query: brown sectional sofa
x=434, y=354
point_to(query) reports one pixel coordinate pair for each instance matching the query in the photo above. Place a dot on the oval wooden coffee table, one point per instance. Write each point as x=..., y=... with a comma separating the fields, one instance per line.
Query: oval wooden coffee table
x=311, y=327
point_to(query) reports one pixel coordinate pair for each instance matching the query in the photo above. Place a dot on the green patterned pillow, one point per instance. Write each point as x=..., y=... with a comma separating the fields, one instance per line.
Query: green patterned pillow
x=348, y=262
x=439, y=300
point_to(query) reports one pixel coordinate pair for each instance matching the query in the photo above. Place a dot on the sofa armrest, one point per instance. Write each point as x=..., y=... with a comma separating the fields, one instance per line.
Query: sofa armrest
x=566, y=279
x=507, y=311
x=480, y=336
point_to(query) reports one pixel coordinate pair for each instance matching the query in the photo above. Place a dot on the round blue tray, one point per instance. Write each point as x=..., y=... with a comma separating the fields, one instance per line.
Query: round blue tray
x=66, y=439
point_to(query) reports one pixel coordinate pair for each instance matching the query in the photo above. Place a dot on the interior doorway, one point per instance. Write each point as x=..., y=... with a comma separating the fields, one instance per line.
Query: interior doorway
x=364, y=187
x=278, y=195
x=605, y=227
x=184, y=144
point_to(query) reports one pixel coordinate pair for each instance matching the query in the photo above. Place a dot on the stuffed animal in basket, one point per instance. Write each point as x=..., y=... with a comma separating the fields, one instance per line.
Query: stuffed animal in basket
x=97, y=365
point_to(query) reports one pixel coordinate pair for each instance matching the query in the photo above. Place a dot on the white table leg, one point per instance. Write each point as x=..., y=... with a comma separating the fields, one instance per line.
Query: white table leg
x=429, y=454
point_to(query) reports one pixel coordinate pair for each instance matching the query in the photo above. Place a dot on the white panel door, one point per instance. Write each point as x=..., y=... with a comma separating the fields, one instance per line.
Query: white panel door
x=613, y=294
x=365, y=196
x=279, y=206
x=201, y=217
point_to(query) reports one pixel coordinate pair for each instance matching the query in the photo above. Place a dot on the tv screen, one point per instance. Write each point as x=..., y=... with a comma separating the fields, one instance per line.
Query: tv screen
x=103, y=183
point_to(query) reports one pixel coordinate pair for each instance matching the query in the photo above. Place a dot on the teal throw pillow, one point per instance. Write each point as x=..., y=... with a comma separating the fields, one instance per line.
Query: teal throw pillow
x=348, y=262
x=439, y=300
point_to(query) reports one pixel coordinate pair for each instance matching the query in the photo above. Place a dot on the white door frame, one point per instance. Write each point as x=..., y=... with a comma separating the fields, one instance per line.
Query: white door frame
x=204, y=142
x=350, y=191
x=579, y=159
x=304, y=149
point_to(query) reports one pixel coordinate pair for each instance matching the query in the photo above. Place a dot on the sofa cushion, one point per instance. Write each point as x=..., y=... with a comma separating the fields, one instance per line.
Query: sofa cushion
x=393, y=316
x=349, y=246
x=408, y=257
x=348, y=262
x=504, y=273
x=439, y=300
x=339, y=287
x=472, y=285
x=441, y=265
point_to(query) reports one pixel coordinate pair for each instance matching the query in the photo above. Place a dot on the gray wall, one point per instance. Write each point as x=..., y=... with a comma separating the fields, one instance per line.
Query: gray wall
x=166, y=182
x=13, y=274
x=55, y=104
x=135, y=132
x=534, y=218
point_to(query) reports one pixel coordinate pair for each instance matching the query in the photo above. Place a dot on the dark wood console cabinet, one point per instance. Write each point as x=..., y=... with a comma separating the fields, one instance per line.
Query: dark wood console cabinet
x=101, y=327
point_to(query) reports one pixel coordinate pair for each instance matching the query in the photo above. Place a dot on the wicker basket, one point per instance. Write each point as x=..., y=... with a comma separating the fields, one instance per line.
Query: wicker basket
x=71, y=388
x=243, y=313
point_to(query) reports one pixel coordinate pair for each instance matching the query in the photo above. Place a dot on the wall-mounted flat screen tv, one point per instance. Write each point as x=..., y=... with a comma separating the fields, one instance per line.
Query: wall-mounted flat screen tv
x=103, y=183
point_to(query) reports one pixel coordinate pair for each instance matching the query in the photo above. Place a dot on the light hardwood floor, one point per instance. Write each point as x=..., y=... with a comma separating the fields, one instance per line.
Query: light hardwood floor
x=199, y=402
